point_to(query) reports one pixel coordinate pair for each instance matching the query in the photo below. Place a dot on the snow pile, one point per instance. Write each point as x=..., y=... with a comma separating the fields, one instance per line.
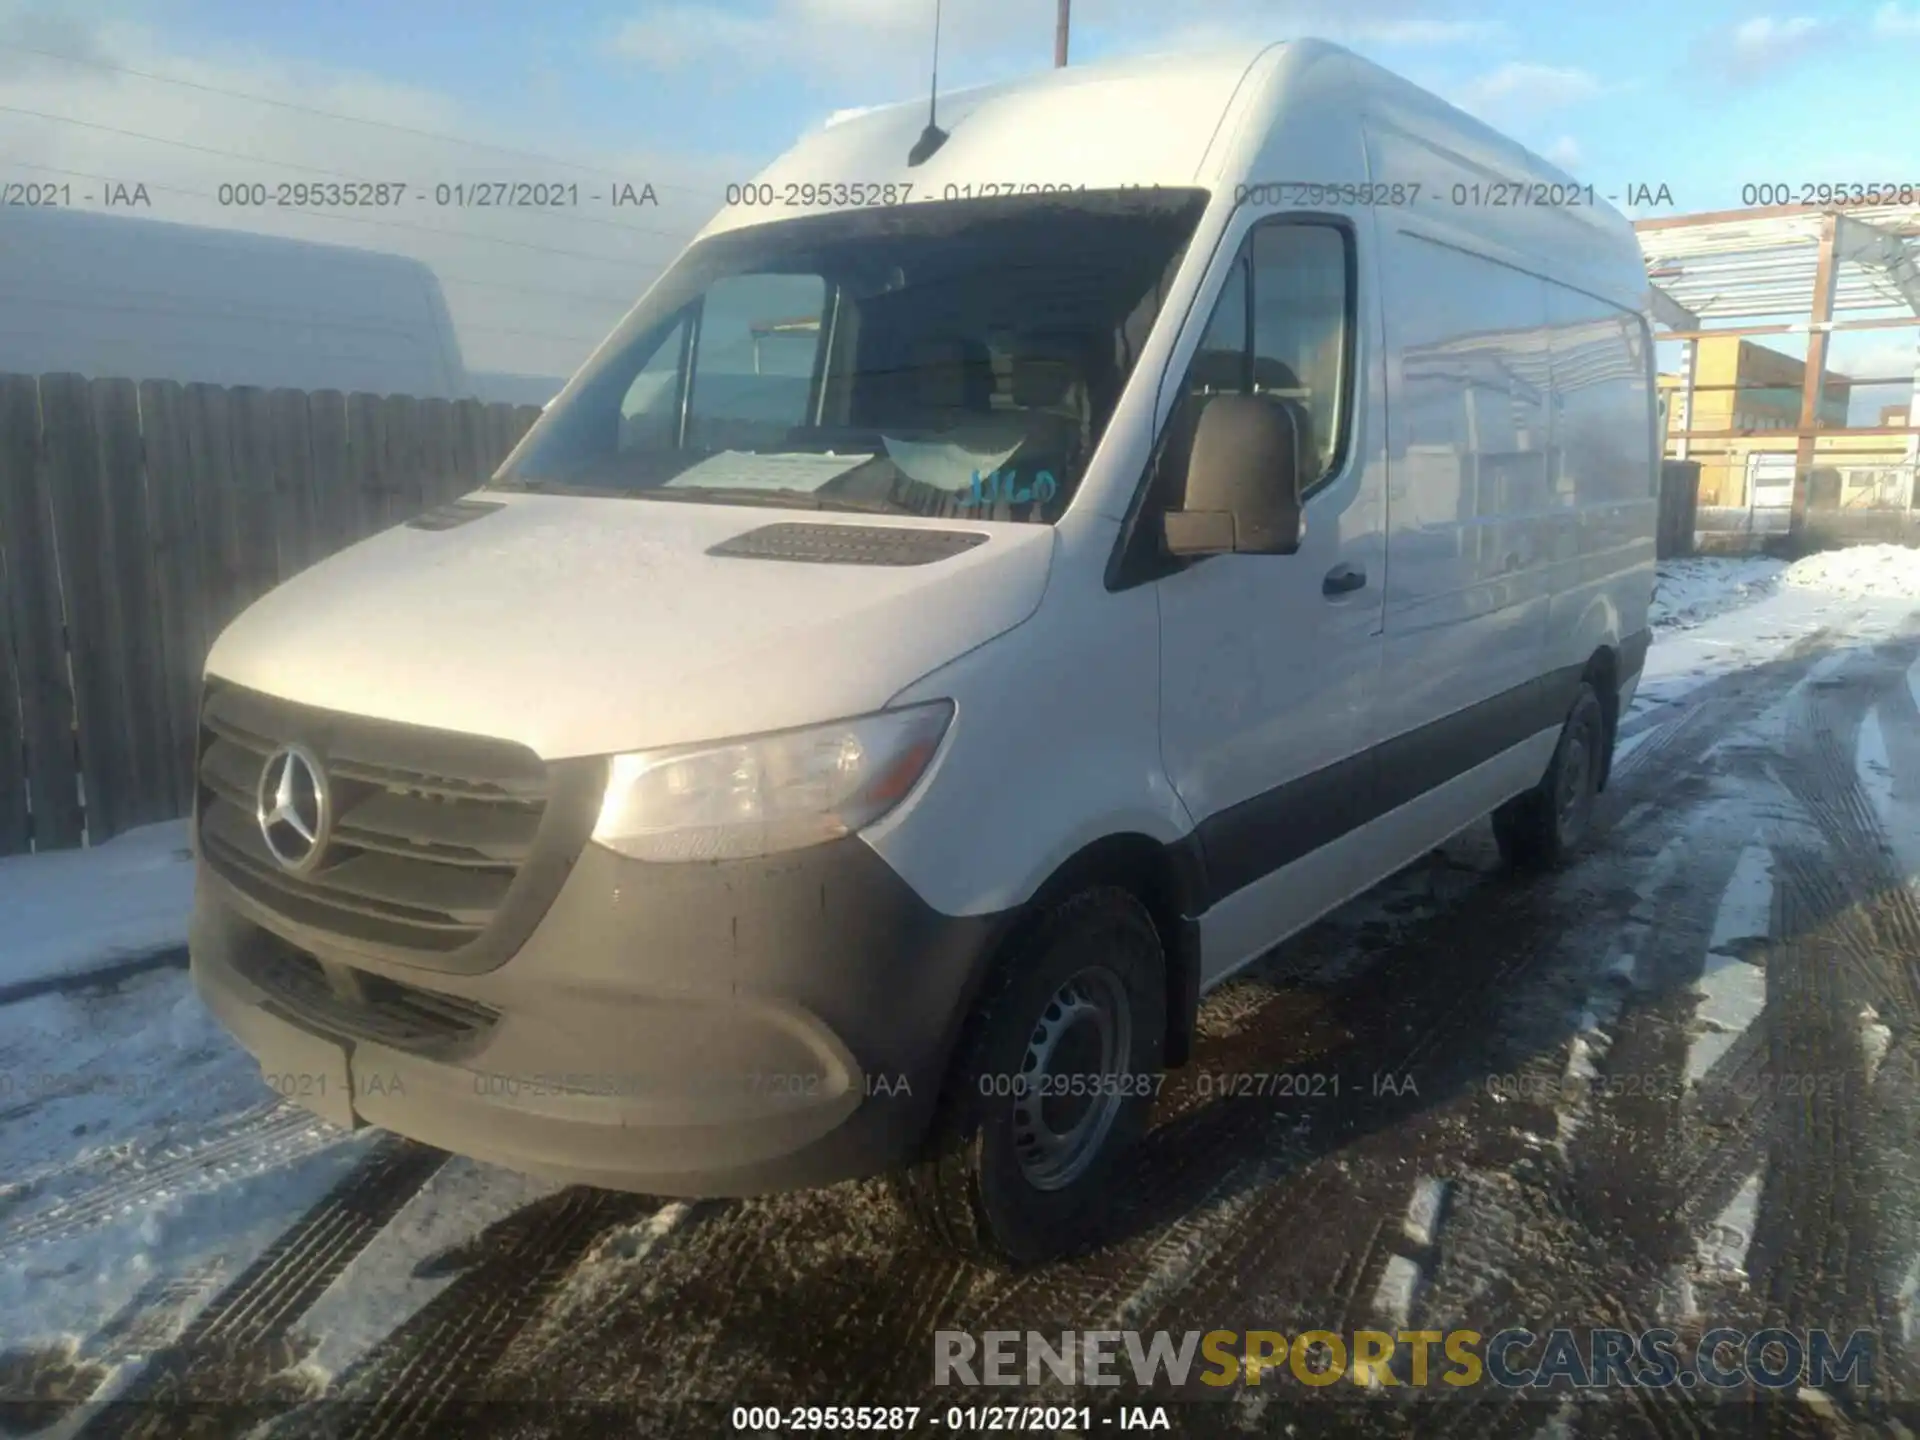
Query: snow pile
x=1691, y=591
x=1860, y=572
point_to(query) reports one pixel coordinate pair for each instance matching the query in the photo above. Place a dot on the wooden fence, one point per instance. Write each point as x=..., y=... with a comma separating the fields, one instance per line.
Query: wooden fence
x=136, y=520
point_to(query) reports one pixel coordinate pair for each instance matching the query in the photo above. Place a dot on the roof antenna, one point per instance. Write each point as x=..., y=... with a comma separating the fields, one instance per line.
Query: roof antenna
x=933, y=137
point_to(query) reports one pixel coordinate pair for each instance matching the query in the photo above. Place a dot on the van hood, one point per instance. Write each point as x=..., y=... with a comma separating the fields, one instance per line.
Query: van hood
x=586, y=626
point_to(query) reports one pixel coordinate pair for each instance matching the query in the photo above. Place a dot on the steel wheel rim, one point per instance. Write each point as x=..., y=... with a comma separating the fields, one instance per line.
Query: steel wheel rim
x=1088, y=1016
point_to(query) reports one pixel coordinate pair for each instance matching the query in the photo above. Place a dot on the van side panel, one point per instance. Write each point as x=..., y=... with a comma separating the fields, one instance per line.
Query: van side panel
x=1606, y=480
x=1469, y=510
x=1523, y=484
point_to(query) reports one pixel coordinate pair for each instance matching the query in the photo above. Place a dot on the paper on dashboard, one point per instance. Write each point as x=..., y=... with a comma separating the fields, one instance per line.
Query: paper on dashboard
x=945, y=465
x=744, y=470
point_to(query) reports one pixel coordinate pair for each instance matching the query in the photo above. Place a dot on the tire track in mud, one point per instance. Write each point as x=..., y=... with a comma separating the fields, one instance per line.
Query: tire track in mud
x=1649, y=1145
x=1583, y=1235
x=1727, y=1122
x=439, y=1363
x=1626, y=1164
x=1352, y=1214
x=1840, y=1165
x=1844, y=932
x=42, y=1386
x=247, y=1144
x=237, y=1350
x=1219, y=1187
x=1692, y=724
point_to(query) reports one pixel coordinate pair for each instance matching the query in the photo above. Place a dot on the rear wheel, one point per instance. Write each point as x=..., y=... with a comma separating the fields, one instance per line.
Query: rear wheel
x=1544, y=827
x=1051, y=1084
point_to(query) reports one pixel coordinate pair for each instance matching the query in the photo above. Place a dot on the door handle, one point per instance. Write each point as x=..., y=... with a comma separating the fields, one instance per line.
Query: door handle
x=1342, y=579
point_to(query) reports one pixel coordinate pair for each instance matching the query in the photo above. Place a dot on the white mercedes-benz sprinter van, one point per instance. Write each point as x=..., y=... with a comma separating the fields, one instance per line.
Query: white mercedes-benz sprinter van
x=1001, y=580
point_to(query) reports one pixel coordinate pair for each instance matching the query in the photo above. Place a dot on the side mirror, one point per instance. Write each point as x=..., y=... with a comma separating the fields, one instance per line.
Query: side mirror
x=1243, y=481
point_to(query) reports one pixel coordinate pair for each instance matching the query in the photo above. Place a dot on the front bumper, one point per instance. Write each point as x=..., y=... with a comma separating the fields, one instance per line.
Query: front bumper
x=725, y=1028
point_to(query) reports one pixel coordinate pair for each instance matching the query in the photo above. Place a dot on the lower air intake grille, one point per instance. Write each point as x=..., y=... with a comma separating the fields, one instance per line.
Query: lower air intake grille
x=421, y=1022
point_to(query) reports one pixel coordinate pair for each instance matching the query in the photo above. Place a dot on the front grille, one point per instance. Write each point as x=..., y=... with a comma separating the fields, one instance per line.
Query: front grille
x=431, y=829
x=421, y=1022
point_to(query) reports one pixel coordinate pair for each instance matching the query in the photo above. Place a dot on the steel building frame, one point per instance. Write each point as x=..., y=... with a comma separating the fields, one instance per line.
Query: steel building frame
x=1816, y=261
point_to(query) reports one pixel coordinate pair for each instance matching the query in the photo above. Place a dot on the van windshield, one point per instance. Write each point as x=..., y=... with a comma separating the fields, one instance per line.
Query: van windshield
x=954, y=358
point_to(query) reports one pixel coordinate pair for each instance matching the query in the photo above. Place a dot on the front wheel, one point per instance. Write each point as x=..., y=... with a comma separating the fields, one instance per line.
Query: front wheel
x=1051, y=1084
x=1541, y=829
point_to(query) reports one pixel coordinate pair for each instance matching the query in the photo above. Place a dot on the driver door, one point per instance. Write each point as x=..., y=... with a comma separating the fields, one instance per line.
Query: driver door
x=1270, y=664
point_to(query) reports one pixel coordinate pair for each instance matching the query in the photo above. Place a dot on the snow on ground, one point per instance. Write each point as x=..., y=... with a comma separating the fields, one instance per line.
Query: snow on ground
x=1886, y=571
x=1694, y=589
x=73, y=910
x=1715, y=615
x=1724, y=1248
x=138, y=1143
x=387, y=1282
x=1733, y=988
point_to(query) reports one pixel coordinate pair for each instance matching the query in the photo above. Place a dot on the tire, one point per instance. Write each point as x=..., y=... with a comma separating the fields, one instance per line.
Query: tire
x=988, y=1184
x=1542, y=829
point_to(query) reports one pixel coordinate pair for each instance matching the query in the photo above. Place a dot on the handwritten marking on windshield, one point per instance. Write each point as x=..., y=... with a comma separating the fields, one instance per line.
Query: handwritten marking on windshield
x=999, y=485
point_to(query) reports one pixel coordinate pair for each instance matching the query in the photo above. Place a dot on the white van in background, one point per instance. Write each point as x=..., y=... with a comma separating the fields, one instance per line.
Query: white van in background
x=972, y=606
x=110, y=295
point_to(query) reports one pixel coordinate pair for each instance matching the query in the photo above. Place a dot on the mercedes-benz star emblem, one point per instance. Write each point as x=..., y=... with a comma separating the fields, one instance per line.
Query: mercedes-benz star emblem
x=293, y=809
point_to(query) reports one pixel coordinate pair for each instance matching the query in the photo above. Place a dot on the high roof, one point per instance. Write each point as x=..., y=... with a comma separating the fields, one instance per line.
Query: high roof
x=1146, y=120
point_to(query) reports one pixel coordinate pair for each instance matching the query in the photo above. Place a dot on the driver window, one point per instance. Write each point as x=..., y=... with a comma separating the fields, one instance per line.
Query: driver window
x=1219, y=367
x=650, y=409
x=1282, y=328
x=1300, y=332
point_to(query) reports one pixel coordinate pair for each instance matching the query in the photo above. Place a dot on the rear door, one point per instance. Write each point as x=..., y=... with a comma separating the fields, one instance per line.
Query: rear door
x=1269, y=664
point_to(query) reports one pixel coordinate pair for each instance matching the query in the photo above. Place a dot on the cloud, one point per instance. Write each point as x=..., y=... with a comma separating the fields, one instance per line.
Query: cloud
x=1520, y=90
x=1873, y=359
x=810, y=37
x=1759, y=48
x=1564, y=152
x=1426, y=32
x=1890, y=19
x=992, y=39
x=678, y=37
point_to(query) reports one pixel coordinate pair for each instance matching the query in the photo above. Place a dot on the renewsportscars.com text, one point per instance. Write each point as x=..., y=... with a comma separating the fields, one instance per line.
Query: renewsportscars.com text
x=1722, y=1358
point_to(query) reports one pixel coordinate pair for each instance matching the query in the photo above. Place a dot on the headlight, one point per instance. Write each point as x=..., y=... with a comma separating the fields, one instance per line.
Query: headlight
x=769, y=793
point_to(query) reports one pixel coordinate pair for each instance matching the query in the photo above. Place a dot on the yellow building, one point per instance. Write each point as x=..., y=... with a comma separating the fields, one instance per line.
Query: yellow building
x=1754, y=393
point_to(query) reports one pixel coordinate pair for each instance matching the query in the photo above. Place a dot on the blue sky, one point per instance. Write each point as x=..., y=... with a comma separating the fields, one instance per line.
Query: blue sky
x=1702, y=98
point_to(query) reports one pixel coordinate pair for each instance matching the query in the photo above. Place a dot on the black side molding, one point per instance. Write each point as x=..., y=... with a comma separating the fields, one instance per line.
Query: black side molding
x=1250, y=840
